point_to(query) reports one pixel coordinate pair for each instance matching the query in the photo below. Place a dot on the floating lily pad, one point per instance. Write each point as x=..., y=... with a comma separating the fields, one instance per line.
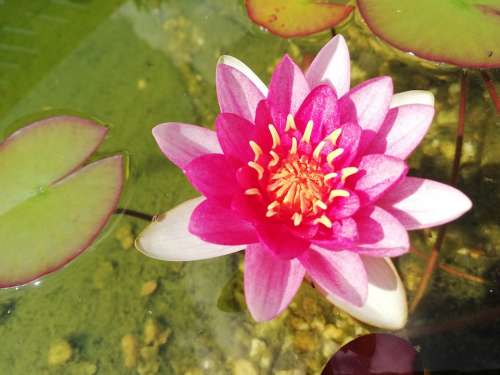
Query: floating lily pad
x=459, y=32
x=51, y=209
x=296, y=18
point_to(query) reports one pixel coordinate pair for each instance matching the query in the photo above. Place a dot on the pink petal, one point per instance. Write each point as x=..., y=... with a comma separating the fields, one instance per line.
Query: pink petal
x=280, y=240
x=380, y=234
x=239, y=90
x=331, y=65
x=168, y=238
x=239, y=65
x=234, y=134
x=349, y=141
x=343, y=207
x=377, y=173
x=270, y=282
x=181, y=143
x=262, y=120
x=248, y=207
x=287, y=91
x=419, y=203
x=213, y=176
x=385, y=306
x=403, y=129
x=367, y=105
x=217, y=224
x=320, y=106
x=344, y=235
x=412, y=97
x=340, y=273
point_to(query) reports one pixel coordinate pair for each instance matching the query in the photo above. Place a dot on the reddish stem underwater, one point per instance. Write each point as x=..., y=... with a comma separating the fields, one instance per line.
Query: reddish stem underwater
x=452, y=270
x=432, y=261
x=490, y=86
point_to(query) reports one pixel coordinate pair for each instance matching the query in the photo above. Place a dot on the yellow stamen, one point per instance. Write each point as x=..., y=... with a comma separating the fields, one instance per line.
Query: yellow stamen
x=270, y=208
x=303, y=203
x=273, y=205
x=276, y=158
x=349, y=171
x=329, y=176
x=274, y=135
x=306, y=137
x=290, y=123
x=320, y=204
x=284, y=187
x=290, y=195
x=334, y=136
x=252, y=191
x=293, y=148
x=318, y=149
x=256, y=150
x=275, y=185
x=338, y=193
x=334, y=154
x=270, y=213
x=324, y=220
x=297, y=219
x=279, y=175
x=258, y=168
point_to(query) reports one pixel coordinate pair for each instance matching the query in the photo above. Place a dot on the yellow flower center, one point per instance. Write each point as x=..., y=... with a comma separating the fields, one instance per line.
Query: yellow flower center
x=297, y=186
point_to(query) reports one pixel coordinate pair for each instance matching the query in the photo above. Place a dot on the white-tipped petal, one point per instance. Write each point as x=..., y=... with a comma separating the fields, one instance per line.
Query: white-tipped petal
x=412, y=97
x=386, y=305
x=168, y=238
x=243, y=68
x=332, y=65
x=421, y=203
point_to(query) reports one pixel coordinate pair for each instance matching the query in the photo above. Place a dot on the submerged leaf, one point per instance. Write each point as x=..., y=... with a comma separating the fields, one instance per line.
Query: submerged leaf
x=50, y=209
x=296, y=18
x=231, y=298
x=464, y=33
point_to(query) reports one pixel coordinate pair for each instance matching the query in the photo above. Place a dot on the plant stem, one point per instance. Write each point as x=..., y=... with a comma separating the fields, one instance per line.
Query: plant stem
x=452, y=270
x=490, y=86
x=135, y=214
x=432, y=261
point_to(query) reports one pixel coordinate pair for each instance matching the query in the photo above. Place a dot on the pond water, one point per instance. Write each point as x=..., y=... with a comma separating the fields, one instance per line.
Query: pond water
x=133, y=64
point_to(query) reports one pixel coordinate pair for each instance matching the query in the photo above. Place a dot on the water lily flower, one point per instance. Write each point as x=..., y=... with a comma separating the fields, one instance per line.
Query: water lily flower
x=309, y=176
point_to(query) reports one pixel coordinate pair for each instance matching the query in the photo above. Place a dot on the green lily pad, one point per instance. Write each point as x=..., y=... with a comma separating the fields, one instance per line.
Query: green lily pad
x=51, y=209
x=287, y=18
x=459, y=32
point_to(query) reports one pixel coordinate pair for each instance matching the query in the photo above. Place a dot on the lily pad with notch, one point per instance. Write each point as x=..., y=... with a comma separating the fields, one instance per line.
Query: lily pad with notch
x=52, y=208
x=465, y=33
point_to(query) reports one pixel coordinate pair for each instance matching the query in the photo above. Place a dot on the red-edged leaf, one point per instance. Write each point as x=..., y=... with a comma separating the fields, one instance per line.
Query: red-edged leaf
x=289, y=18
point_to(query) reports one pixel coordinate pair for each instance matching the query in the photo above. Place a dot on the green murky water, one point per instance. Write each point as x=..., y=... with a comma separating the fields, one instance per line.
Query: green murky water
x=134, y=64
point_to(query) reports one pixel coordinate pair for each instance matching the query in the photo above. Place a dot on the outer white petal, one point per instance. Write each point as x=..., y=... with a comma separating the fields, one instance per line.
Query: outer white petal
x=412, y=97
x=243, y=68
x=386, y=305
x=168, y=238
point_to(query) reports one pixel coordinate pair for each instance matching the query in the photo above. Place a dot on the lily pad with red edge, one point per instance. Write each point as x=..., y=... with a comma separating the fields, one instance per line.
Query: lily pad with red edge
x=52, y=208
x=375, y=354
x=290, y=18
x=465, y=33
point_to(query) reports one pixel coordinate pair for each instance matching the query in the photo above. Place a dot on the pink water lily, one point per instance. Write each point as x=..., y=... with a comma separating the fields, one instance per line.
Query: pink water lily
x=309, y=175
